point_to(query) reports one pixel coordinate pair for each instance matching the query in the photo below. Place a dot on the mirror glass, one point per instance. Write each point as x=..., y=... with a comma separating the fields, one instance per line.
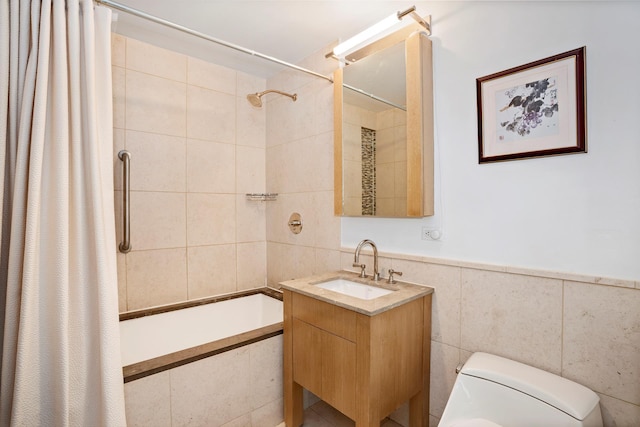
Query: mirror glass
x=374, y=135
x=384, y=129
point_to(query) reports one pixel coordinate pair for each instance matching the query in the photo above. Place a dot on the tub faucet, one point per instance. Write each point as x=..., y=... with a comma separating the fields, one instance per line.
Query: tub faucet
x=356, y=257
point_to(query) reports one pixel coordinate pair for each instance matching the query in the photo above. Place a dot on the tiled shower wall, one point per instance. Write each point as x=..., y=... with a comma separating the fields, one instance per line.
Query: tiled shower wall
x=300, y=168
x=197, y=147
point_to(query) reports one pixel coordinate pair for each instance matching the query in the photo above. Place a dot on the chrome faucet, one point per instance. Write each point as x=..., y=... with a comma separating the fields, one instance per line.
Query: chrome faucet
x=356, y=257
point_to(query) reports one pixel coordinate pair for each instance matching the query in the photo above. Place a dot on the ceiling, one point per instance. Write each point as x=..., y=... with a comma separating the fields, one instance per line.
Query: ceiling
x=287, y=30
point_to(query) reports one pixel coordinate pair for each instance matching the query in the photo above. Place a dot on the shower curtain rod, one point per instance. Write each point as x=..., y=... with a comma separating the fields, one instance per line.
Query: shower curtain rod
x=186, y=30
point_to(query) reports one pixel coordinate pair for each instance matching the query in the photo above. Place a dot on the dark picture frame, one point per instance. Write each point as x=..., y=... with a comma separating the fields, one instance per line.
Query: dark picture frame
x=536, y=109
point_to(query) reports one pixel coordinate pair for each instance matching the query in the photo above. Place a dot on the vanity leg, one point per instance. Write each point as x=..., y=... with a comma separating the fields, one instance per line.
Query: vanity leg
x=418, y=416
x=293, y=406
x=419, y=403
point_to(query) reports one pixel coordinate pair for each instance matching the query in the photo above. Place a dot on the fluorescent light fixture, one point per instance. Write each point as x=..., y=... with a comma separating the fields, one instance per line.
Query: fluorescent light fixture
x=375, y=31
x=367, y=34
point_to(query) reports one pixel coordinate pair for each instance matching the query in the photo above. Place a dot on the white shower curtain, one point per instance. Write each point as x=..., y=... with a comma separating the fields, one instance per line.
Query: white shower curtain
x=59, y=308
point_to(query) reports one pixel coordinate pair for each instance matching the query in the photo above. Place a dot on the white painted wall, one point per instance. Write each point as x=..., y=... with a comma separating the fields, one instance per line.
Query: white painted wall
x=576, y=213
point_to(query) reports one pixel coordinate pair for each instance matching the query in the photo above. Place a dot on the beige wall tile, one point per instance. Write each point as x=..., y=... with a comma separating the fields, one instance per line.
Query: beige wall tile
x=400, y=206
x=352, y=181
x=211, y=115
x=385, y=206
x=352, y=205
x=118, y=84
x=445, y=314
x=271, y=414
x=156, y=277
x=400, y=145
x=275, y=171
x=223, y=397
x=156, y=61
x=147, y=401
x=250, y=170
x=251, y=123
x=250, y=219
x=247, y=83
x=242, y=421
x=326, y=260
x=278, y=215
x=287, y=120
x=444, y=360
x=211, y=270
x=211, y=219
x=386, y=119
x=122, y=282
x=320, y=166
x=385, y=176
x=266, y=371
x=117, y=206
x=251, y=265
x=118, y=145
x=518, y=317
x=118, y=46
x=158, y=220
x=400, y=179
x=158, y=162
x=211, y=76
x=616, y=413
x=286, y=262
x=351, y=142
x=385, y=147
x=326, y=225
x=323, y=107
x=598, y=319
x=211, y=167
x=154, y=104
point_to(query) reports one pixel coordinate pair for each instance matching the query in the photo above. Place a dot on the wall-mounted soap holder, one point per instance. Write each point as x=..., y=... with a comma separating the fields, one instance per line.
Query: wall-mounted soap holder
x=262, y=197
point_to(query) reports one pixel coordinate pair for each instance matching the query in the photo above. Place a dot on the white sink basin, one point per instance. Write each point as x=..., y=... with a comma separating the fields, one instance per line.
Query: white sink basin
x=353, y=289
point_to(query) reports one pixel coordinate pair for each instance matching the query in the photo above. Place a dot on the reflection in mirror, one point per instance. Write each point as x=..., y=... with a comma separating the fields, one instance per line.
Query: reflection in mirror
x=374, y=135
x=380, y=119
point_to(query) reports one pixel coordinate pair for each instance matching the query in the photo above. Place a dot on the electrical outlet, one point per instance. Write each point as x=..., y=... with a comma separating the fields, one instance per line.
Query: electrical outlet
x=429, y=233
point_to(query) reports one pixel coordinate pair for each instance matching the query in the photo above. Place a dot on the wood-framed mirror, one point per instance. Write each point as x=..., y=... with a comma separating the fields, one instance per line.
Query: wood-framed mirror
x=383, y=129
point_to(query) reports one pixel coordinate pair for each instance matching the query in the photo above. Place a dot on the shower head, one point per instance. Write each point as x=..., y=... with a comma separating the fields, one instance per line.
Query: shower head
x=256, y=98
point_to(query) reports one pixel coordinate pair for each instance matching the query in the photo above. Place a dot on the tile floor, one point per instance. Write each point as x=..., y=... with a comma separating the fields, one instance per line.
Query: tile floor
x=322, y=415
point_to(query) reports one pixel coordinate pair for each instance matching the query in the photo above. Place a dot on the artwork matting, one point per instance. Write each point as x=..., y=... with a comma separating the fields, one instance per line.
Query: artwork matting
x=536, y=109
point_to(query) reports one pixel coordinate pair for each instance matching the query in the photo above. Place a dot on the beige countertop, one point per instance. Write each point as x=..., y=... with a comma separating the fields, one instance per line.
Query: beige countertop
x=403, y=292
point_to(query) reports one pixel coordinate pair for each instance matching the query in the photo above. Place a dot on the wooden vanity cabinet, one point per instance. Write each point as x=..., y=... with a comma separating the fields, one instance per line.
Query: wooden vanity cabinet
x=363, y=365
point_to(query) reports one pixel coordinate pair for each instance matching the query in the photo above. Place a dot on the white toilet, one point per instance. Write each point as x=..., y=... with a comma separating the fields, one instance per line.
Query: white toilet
x=492, y=391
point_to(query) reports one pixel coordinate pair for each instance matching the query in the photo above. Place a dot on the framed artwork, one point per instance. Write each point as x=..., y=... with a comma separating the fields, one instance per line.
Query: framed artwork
x=536, y=109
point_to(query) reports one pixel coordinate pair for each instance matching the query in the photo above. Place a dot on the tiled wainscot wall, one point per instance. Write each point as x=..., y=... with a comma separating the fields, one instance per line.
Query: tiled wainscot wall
x=586, y=329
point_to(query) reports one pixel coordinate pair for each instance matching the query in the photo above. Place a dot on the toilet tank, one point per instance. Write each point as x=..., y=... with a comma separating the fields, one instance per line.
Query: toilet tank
x=504, y=392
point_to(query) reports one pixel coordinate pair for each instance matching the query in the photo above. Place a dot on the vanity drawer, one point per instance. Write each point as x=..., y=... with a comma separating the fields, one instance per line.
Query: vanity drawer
x=331, y=318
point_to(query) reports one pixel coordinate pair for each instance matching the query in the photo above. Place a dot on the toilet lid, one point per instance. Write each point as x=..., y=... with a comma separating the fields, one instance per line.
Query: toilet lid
x=475, y=422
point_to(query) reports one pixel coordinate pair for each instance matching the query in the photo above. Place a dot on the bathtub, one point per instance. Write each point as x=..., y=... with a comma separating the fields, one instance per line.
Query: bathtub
x=212, y=362
x=162, y=338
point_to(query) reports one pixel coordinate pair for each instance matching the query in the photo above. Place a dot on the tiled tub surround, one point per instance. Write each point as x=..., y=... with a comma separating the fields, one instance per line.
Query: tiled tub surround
x=235, y=380
x=197, y=146
x=586, y=329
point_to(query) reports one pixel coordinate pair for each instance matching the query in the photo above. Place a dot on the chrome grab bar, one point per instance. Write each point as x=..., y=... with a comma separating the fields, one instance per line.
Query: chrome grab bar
x=125, y=245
